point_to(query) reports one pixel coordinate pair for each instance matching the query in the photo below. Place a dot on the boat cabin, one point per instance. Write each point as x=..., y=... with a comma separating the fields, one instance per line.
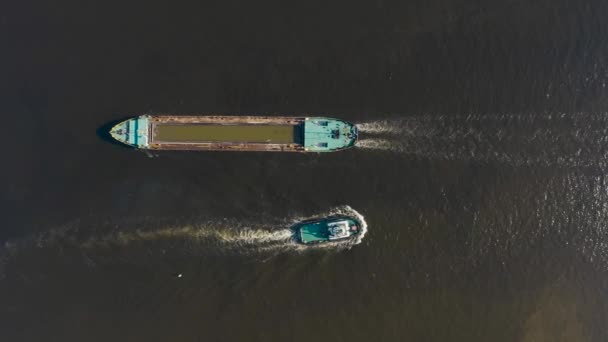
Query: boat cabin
x=340, y=230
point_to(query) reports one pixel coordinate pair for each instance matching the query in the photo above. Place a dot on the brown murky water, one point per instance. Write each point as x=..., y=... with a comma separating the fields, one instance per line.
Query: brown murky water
x=481, y=172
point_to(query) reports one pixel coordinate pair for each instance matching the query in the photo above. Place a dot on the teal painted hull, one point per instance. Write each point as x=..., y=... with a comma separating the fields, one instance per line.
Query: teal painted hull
x=236, y=133
x=327, y=230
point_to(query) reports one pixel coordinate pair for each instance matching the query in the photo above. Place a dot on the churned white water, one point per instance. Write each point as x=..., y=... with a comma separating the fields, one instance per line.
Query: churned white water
x=213, y=236
x=558, y=139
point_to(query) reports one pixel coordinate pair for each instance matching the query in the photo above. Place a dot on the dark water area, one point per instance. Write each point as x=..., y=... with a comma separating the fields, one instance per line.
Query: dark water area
x=480, y=172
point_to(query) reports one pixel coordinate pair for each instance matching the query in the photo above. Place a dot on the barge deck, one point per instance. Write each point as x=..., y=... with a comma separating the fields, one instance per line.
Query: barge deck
x=236, y=133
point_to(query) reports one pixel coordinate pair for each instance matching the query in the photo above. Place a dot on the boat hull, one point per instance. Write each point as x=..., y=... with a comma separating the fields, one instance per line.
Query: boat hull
x=236, y=133
x=316, y=231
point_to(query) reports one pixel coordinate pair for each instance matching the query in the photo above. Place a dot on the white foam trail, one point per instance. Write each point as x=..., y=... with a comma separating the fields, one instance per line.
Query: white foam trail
x=215, y=236
x=380, y=126
x=376, y=144
x=254, y=235
x=564, y=140
x=194, y=232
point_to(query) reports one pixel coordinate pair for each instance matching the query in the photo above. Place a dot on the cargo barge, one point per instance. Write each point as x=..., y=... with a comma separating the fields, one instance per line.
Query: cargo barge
x=236, y=133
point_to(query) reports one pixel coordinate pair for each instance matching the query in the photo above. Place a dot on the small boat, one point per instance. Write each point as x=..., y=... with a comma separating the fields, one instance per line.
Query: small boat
x=328, y=229
x=236, y=133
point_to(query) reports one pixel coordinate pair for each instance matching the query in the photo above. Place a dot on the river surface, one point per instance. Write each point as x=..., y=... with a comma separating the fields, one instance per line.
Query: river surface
x=481, y=171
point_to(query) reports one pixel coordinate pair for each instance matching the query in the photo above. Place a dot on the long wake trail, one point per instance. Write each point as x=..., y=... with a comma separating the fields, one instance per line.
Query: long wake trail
x=231, y=235
x=563, y=140
x=215, y=237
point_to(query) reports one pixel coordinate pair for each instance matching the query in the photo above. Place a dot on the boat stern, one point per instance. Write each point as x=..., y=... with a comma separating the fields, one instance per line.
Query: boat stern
x=133, y=132
x=328, y=135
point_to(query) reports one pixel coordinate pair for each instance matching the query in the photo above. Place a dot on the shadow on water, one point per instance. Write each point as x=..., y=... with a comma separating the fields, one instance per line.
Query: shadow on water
x=103, y=132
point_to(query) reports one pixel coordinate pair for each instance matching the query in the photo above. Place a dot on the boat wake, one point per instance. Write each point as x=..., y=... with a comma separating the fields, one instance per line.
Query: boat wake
x=232, y=235
x=566, y=140
x=378, y=144
x=215, y=237
x=212, y=237
x=381, y=126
